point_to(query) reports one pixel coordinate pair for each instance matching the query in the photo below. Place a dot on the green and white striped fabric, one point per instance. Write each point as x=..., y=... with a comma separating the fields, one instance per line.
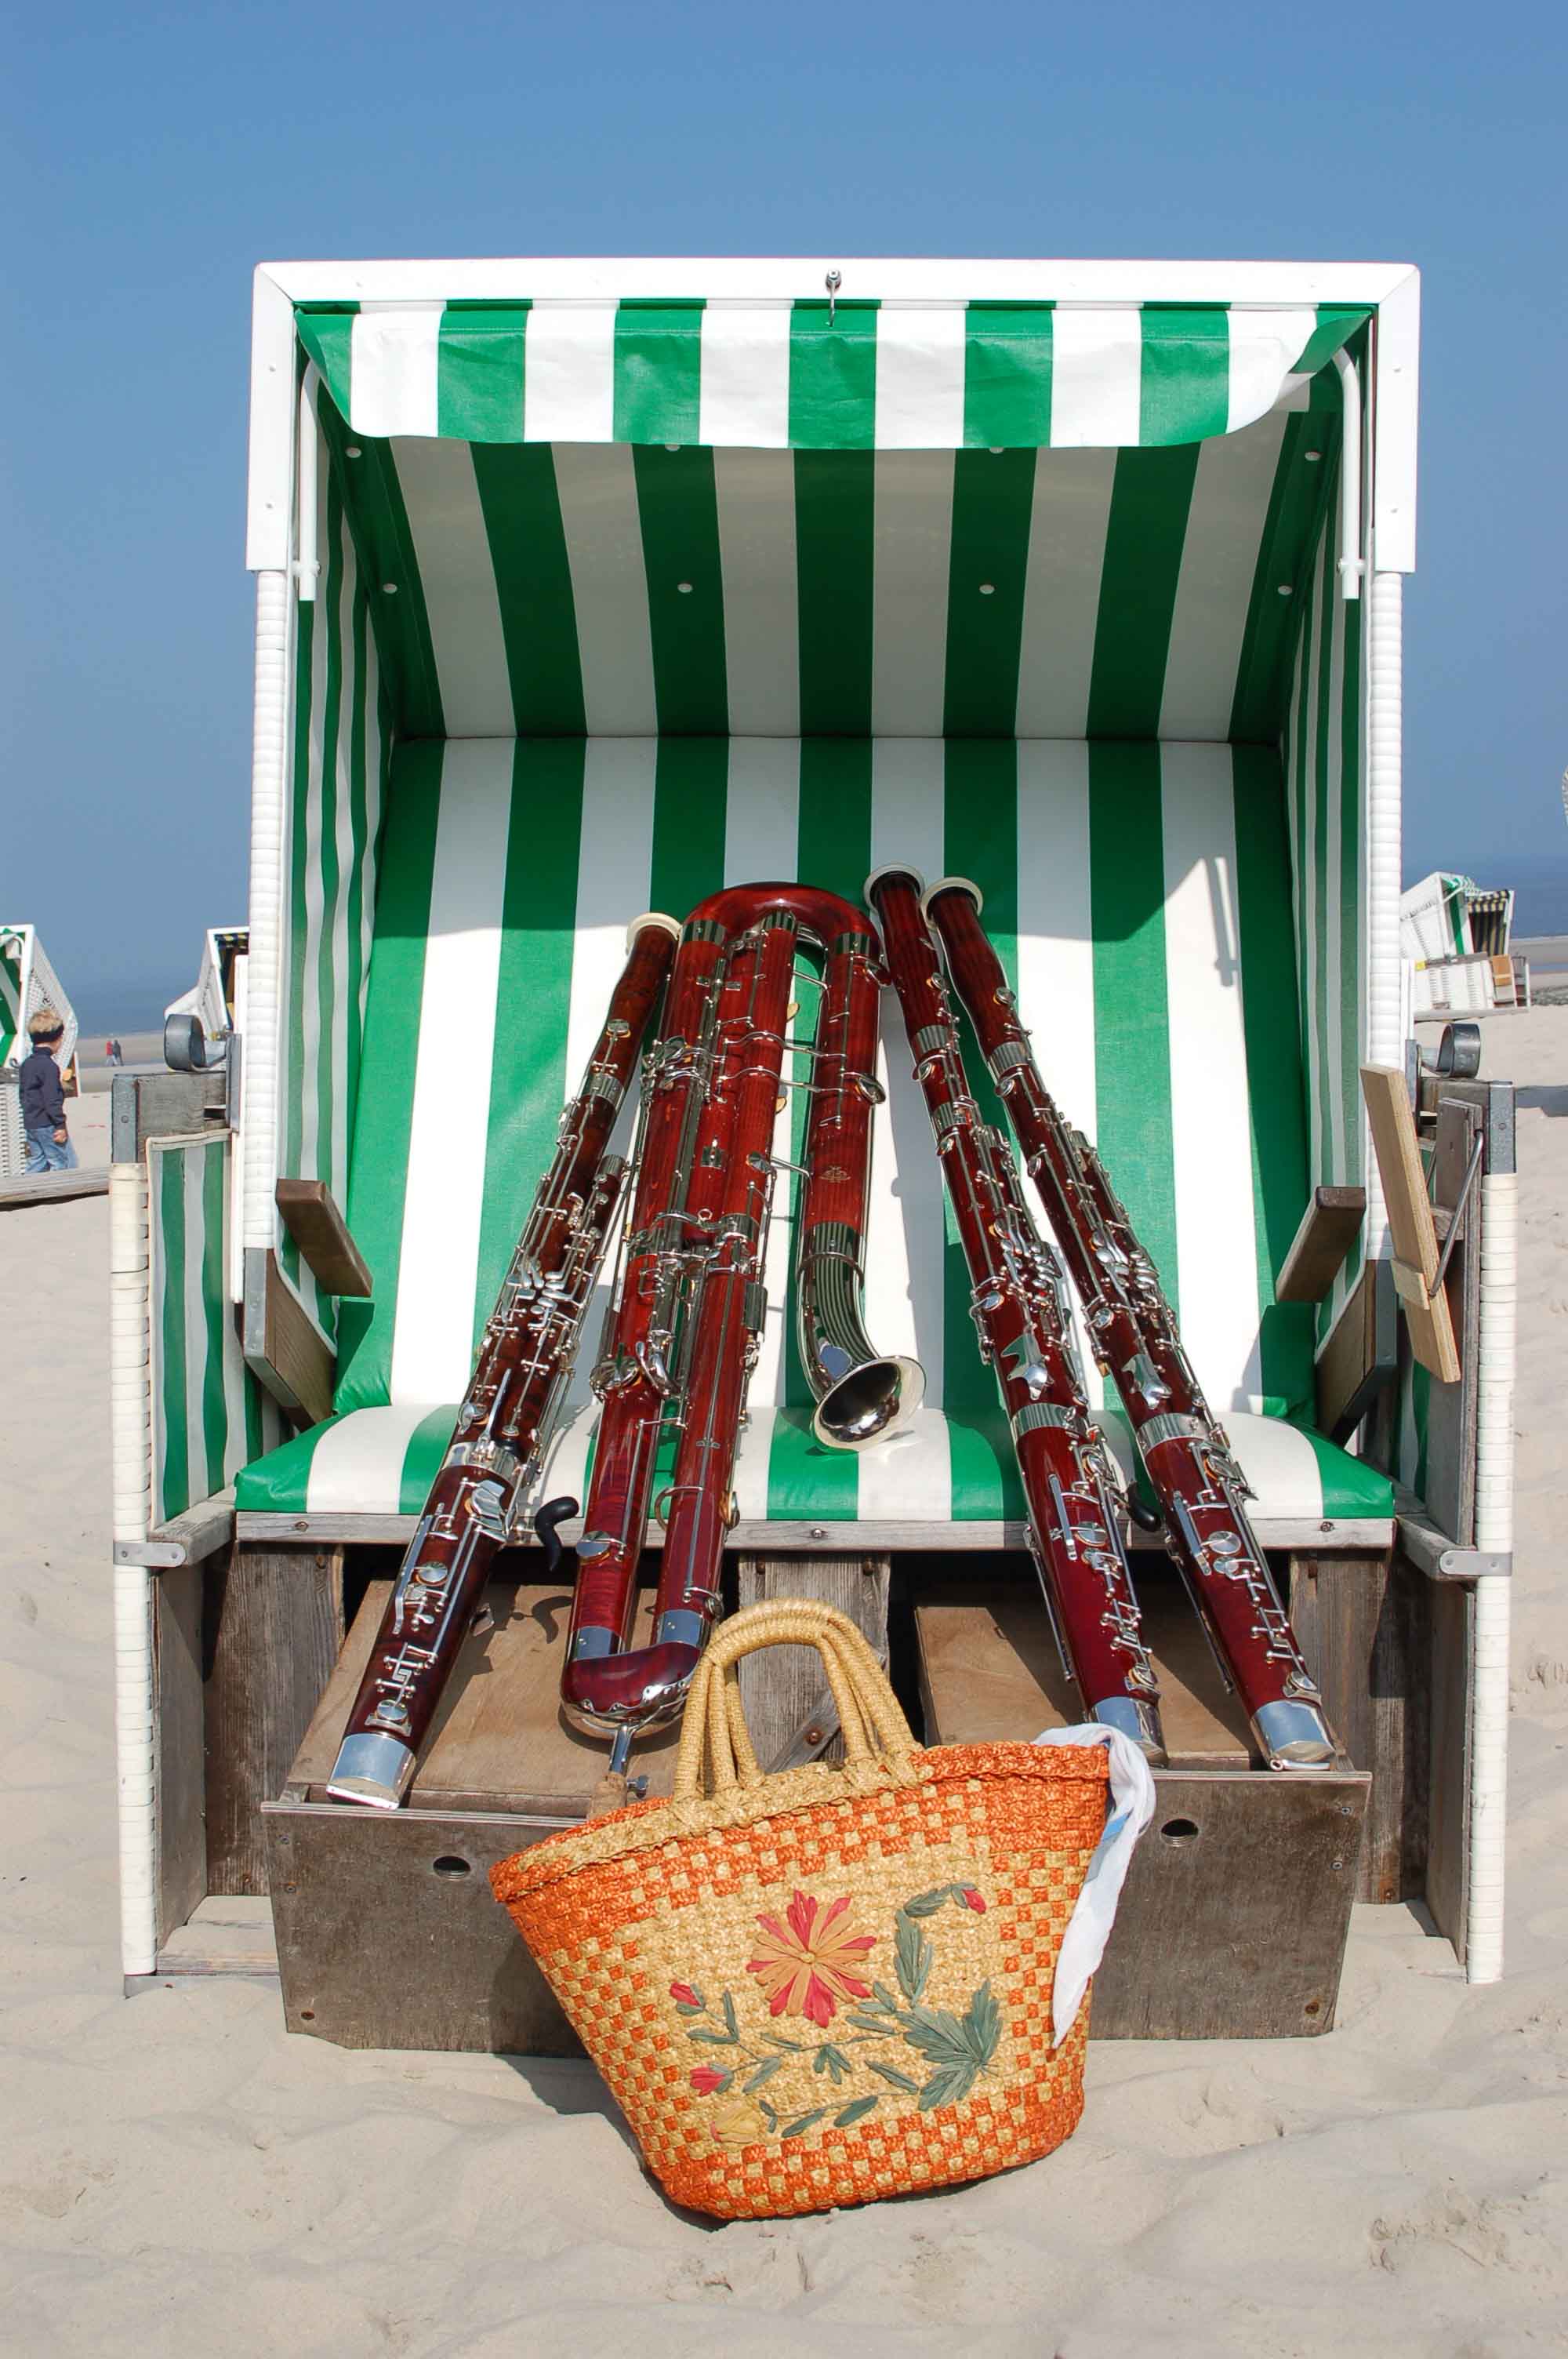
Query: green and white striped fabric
x=1323, y=738
x=1130, y=888
x=342, y=750
x=775, y=375
x=12, y=949
x=209, y=1415
x=628, y=591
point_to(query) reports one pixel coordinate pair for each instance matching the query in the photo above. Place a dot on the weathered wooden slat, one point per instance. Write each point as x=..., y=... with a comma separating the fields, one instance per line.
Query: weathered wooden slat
x=50, y=1188
x=1365, y=1628
x=1360, y=1358
x=1276, y=1532
x=1453, y=1614
x=282, y=1344
x=311, y=1216
x=783, y=1690
x=179, y=1748
x=274, y=1627
x=1410, y=1220
x=1329, y=1227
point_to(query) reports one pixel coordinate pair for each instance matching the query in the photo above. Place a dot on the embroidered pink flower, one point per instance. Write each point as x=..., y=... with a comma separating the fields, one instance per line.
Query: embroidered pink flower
x=684, y=1996
x=971, y=1899
x=708, y=2078
x=811, y=1961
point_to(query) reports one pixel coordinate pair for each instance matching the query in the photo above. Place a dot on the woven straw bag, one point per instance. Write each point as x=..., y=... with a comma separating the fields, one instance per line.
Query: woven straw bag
x=835, y=1982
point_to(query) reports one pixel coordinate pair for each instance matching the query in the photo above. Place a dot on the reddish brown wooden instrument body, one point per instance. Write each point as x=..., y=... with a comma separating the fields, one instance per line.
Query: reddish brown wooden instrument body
x=1020, y=1310
x=524, y=1358
x=1135, y=1338
x=690, y=1303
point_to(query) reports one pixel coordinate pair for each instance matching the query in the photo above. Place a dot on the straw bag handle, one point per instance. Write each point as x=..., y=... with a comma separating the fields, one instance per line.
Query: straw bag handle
x=714, y=1735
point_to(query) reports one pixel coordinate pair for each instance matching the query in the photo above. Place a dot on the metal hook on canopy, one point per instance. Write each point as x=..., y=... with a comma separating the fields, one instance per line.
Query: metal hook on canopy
x=834, y=280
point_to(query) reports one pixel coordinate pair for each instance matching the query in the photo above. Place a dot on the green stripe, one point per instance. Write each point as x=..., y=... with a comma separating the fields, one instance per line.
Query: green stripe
x=993, y=500
x=1352, y=1486
x=1349, y=886
x=1275, y=1088
x=833, y=377
x=176, y=1495
x=294, y=1077
x=327, y=977
x=529, y=1082
x=658, y=372
x=327, y=334
x=983, y=1465
x=214, y=1307
x=1150, y=502
x=384, y=543
x=1300, y=786
x=980, y=840
x=522, y=511
x=361, y=854
x=422, y=1459
x=1185, y=385
x=677, y=508
x=1326, y=986
x=1007, y=374
x=1336, y=322
x=690, y=790
x=1289, y=535
x=1132, y=1037
x=379, y=1170
x=482, y=359
x=835, y=537
x=279, y=1483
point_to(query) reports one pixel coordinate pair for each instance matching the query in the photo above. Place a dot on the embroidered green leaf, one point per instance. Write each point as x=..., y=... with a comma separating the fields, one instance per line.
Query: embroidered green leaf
x=939, y=2036
x=880, y=1997
x=890, y=2072
x=764, y=2073
x=832, y=2060
x=875, y=2027
x=776, y=2040
x=856, y=2112
x=926, y=1904
x=728, y=2006
x=947, y=2086
x=803, y=2122
x=768, y=2115
x=982, y=2024
x=913, y=1952
x=683, y=2006
x=701, y=2002
x=712, y=2039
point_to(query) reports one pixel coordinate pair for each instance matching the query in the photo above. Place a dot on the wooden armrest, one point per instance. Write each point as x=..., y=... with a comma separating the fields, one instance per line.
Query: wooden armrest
x=1410, y=1219
x=282, y=1344
x=310, y=1215
x=1360, y=1354
x=1330, y=1226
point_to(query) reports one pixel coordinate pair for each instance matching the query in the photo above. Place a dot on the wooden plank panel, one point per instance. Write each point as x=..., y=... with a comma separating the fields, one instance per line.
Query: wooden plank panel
x=499, y=1741
x=1363, y=1622
x=784, y=1690
x=1450, y=1408
x=274, y=1625
x=311, y=1216
x=1358, y=1360
x=1410, y=1219
x=292, y=1346
x=1452, y=1611
x=1329, y=1227
x=178, y=1747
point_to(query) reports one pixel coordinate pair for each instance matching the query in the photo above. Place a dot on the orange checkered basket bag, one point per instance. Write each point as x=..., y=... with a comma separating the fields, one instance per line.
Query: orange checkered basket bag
x=834, y=1982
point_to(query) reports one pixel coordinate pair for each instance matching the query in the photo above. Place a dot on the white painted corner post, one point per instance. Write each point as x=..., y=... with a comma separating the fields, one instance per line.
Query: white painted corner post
x=130, y=1421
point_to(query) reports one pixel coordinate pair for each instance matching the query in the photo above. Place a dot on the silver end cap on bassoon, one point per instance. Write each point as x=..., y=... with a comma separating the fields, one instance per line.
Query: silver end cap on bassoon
x=378, y=1770
x=1294, y=1734
x=870, y=1403
x=653, y=917
x=953, y=884
x=1137, y=1719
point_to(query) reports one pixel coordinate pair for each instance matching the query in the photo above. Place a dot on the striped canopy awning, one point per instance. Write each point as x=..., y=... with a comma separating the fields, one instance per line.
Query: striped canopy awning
x=777, y=375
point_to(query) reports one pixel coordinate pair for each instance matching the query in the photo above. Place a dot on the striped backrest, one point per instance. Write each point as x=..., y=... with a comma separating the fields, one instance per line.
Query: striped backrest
x=1140, y=896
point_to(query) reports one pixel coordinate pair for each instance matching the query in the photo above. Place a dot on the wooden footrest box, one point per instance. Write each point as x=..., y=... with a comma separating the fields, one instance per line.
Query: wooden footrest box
x=1232, y=1925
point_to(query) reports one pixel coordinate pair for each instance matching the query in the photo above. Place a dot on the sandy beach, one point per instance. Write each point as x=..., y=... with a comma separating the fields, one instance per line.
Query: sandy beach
x=178, y=2176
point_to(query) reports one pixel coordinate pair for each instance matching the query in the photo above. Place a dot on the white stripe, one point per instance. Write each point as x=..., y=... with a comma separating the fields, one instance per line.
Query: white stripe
x=204, y=1482
x=309, y=1016
x=610, y=589
x=745, y=396
x=1067, y=527
x=357, y=1465
x=909, y=1479
x=1264, y=349
x=432, y=1348
x=1214, y=587
x=336, y=1172
x=906, y=1224
x=1306, y=884
x=1096, y=376
x=920, y=377
x=1335, y=1166
x=1210, y=1124
x=565, y=1461
x=755, y=495
x=569, y=373
x=614, y=866
x=394, y=369
x=157, y=1254
x=1280, y=1464
x=913, y=533
x=1055, y=949
x=762, y=841
x=754, y=1452
x=452, y=550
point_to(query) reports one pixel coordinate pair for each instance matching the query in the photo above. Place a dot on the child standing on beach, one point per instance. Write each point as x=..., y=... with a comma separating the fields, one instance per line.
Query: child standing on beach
x=43, y=1098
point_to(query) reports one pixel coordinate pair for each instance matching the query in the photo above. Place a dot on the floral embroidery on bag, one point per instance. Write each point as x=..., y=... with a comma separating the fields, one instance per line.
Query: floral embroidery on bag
x=807, y=1967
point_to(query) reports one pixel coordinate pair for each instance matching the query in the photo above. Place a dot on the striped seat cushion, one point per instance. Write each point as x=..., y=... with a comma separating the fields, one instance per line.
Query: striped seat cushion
x=955, y=1468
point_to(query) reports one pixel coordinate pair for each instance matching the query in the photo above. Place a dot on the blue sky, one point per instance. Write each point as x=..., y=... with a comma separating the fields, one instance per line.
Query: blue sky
x=157, y=156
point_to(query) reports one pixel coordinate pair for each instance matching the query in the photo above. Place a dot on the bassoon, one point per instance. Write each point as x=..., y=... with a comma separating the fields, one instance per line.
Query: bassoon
x=687, y=1318
x=479, y=1497
x=1133, y=1331
x=1020, y=1312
